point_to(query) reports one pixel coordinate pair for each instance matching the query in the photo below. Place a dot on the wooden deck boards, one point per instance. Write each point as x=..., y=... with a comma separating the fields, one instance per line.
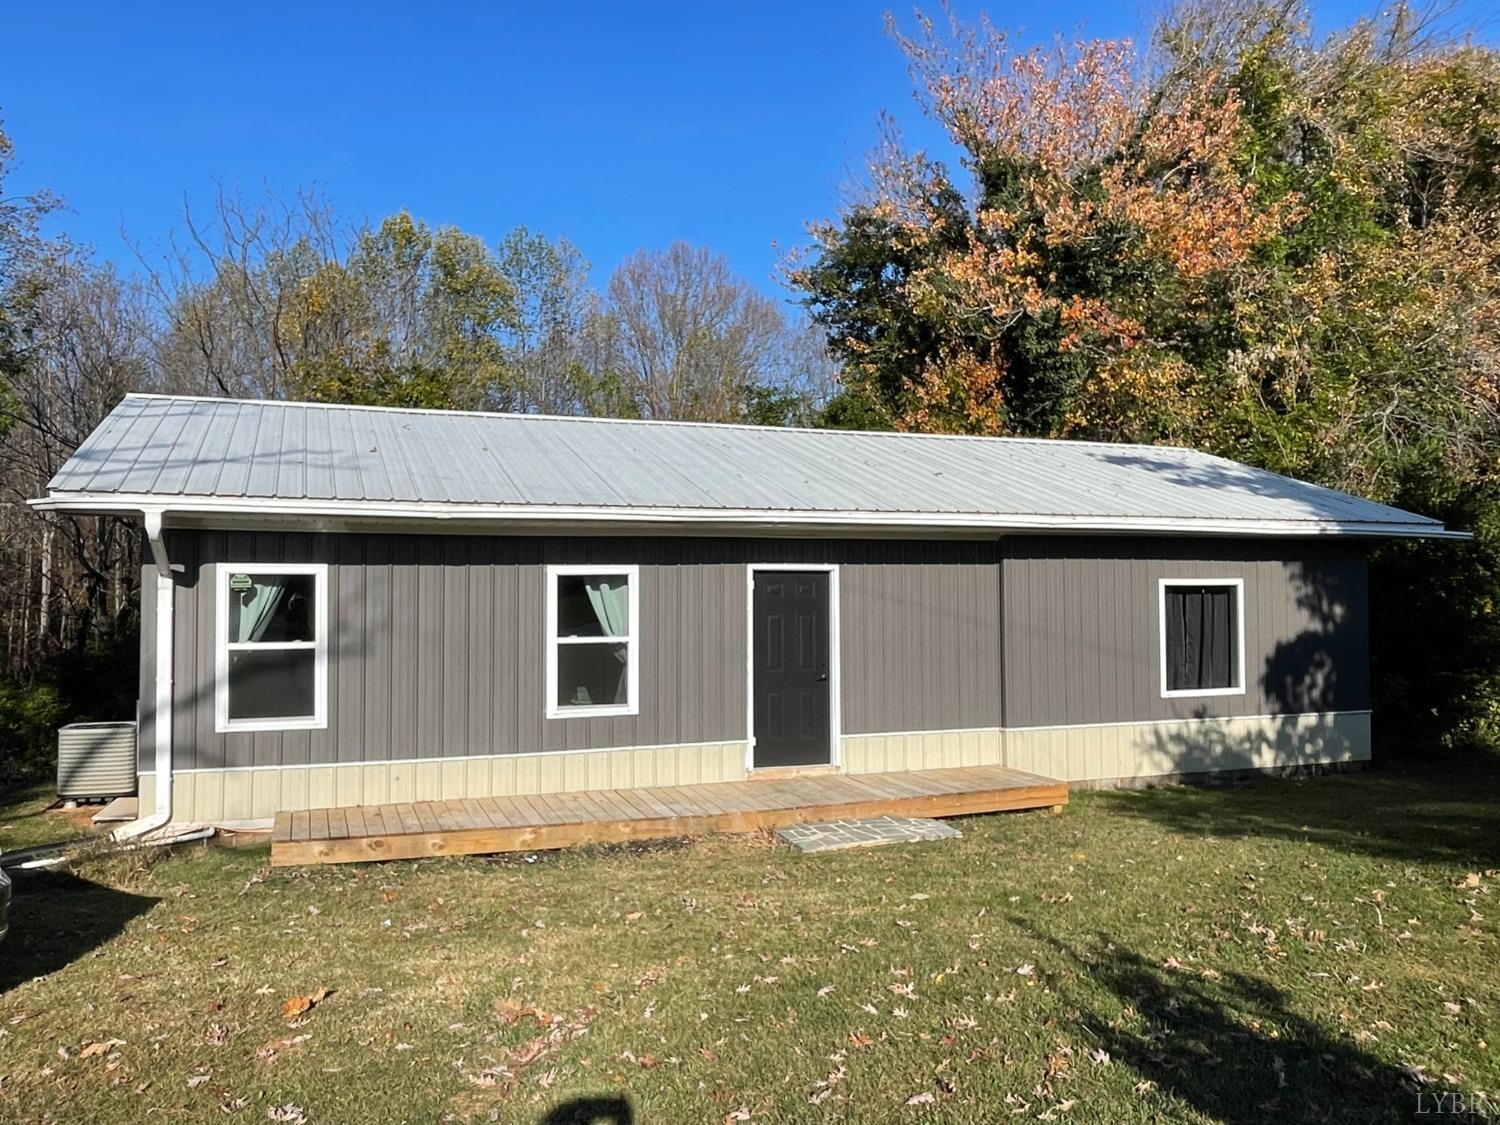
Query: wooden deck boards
x=477, y=826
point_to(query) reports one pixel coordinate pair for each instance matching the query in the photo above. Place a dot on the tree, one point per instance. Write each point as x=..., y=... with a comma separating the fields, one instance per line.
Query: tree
x=1261, y=243
x=412, y=317
x=553, y=309
x=687, y=338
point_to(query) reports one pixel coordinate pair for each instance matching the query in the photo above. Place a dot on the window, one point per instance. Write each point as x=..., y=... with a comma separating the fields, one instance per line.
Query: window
x=272, y=668
x=592, y=659
x=1202, y=637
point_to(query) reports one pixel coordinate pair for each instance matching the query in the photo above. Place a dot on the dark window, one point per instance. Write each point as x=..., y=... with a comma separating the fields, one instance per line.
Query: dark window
x=1202, y=641
x=592, y=675
x=271, y=684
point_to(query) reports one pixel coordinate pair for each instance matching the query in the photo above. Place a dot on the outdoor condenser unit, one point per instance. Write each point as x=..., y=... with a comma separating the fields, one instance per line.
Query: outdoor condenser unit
x=95, y=761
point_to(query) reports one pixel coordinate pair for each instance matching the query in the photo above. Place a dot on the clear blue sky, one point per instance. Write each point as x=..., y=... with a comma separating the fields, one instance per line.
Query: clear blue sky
x=616, y=124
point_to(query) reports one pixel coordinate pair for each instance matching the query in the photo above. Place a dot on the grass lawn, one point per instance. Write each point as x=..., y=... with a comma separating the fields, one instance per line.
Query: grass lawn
x=1286, y=951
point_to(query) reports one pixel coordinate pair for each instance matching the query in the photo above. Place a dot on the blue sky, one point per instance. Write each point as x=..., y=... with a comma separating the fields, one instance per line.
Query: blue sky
x=617, y=125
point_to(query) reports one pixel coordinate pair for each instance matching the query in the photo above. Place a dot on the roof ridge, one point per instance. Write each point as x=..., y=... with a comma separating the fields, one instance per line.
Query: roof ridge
x=673, y=422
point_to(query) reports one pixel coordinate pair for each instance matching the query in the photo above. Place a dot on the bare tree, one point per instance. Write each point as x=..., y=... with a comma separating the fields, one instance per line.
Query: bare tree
x=689, y=337
x=225, y=286
x=87, y=332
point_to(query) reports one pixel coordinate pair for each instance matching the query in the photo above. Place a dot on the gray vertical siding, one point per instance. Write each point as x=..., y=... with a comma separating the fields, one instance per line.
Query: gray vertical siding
x=1082, y=639
x=437, y=643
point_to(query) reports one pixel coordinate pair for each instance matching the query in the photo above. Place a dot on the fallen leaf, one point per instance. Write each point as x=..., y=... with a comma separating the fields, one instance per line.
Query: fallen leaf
x=196, y=1080
x=268, y=1051
x=99, y=1048
x=924, y=1098
x=295, y=1006
x=512, y=1011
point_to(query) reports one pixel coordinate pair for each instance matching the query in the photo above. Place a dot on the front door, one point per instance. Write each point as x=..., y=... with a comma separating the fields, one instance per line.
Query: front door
x=789, y=668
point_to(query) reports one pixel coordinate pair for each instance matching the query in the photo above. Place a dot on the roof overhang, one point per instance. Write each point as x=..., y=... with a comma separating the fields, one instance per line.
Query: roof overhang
x=231, y=512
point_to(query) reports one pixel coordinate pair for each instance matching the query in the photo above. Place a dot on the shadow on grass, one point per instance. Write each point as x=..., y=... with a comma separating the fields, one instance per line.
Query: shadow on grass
x=57, y=918
x=1233, y=1048
x=1446, y=812
x=610, y=1109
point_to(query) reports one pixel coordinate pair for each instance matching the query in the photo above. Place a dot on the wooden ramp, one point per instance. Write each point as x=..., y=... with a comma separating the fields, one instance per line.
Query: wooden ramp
x=483, y=825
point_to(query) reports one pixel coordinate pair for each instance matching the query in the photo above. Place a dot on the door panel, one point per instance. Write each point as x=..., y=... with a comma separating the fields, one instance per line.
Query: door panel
x=790, y=668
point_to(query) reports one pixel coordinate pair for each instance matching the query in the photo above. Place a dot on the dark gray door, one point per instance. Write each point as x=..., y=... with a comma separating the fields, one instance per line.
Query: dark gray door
x=790, y=668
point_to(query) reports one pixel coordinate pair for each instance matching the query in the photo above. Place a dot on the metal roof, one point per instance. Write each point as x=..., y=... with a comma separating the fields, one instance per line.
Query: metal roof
x=224, y=456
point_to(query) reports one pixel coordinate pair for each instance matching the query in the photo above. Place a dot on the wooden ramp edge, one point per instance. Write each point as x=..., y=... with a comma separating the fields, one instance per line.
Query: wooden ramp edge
x=536, y=822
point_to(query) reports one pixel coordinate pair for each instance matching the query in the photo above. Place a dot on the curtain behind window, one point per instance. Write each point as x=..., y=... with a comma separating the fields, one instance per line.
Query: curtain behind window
x=256, y=608
x=1200, y=637
x=610, y=599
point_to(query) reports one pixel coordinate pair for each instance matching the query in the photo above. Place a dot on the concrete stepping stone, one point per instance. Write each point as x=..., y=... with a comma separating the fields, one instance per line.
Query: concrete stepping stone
x=840, y=834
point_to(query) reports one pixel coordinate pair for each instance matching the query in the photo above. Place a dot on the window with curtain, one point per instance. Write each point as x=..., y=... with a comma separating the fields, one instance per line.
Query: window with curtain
x=591, y=662
x=271, y=667
x=1201, y=638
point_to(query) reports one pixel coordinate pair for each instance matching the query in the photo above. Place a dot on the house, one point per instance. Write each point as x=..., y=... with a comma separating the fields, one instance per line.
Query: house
x=347, y=606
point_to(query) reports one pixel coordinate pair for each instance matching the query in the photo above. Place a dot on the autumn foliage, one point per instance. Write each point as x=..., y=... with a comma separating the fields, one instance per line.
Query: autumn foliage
x=1239, y=237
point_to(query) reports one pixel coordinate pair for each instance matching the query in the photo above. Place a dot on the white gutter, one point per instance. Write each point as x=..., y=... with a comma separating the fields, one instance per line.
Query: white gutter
x=161, y=716
x=532, y=515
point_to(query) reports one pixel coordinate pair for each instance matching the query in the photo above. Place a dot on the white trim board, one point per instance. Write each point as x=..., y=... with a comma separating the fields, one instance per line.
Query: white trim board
x=1287, y=715
x=835, y=659
x=1238, y=586
x=318, y=720
x=727, y=519
x=458, y=758
x=632, y=705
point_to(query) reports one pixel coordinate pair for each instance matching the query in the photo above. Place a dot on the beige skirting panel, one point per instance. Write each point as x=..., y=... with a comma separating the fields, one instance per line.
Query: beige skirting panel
x=222, y=796
x=920, y=750
x=1090, y=753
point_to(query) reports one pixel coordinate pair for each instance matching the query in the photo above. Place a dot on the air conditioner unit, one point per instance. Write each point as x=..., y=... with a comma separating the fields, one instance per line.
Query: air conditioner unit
x=96, y=761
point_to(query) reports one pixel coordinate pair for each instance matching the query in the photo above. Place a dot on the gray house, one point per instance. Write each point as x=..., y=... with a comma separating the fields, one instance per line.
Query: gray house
x=348, y=606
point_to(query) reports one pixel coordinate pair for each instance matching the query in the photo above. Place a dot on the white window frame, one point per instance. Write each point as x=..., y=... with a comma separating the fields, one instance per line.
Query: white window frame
x=1239, y=636
x=318, y=720
x=631, y=640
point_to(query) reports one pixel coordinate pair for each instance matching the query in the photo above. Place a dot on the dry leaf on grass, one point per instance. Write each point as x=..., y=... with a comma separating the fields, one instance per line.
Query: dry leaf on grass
x=268, y=1051
x=295, y=1006
x=512, y=1011
x=101, y=1047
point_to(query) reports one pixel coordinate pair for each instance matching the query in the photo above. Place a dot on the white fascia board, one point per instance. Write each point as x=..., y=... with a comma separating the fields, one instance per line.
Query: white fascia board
x=531, y=515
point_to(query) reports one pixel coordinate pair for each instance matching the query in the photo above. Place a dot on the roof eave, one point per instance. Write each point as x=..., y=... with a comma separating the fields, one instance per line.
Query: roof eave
x=543, y=516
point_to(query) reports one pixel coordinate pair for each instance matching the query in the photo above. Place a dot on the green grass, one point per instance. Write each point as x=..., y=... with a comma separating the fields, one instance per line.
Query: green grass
x=1292, y=951
x=25, y=819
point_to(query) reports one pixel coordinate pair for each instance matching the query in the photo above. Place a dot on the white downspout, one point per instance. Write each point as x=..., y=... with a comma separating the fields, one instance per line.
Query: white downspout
x=161, y=724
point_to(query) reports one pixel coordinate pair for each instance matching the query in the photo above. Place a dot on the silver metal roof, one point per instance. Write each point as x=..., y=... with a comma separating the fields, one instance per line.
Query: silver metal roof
x=291, y=458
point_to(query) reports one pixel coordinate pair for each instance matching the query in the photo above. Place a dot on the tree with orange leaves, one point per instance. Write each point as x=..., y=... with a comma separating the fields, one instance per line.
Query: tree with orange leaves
x=1246, y=239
